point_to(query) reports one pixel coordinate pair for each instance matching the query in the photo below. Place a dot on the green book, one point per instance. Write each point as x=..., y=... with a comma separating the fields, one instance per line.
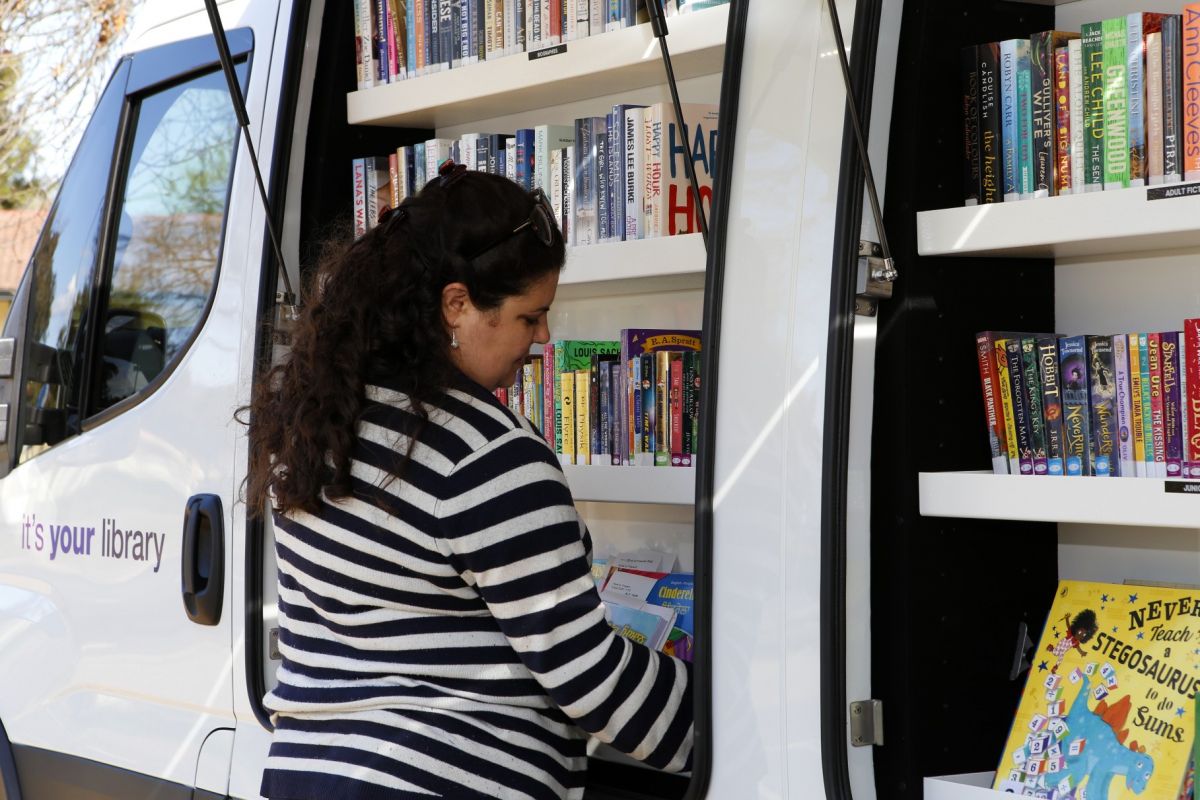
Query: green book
x=1093, y=106
x=1116, y=105
x=1025, y=119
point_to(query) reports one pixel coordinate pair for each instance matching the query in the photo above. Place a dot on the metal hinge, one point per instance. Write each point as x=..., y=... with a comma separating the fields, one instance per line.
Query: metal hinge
x=876, y=275
x=866, y=723
x=273, y=645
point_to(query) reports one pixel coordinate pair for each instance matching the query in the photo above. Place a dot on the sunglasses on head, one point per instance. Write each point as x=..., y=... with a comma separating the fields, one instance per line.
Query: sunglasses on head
x=541, y=221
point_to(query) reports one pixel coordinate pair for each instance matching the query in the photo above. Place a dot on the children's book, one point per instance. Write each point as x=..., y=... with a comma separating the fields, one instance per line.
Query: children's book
x=1108, y=710
x=648, y=626
x=673, y=592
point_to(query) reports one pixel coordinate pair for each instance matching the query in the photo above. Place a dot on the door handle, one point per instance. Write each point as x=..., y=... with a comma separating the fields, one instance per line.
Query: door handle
x=203, y=563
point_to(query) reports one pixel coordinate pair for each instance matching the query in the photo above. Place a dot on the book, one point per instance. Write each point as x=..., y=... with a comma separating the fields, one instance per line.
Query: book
x=635, y=173
x=985, y=345
x=1191, y=356
x=524, y=164
x=1158, y=430
x=1107, y=710
x=1116, y=105
x=991, y=168
x=1062, y=120
x=1124, y=407
x=1043, y=47
x=970, y=115
x=1020, y=405
x=1154, y=109
x=359, y=195
x=364, y=49
x=644, y=626
x=1027, y=168
x=565, y=413
x=1135, y=402
x=1147, y=411
x=1093, y=105
x=1190, y=79
x=583, y=416
x=1138, y=26
x=1000, y=355
x=547, y=138
x=621, y=147
x=1102, y=410
x=1051, y=387
x=699, y=128
x=603, y=196
x=1172, y=48
x=585, y=219
x=636, y=342
x=1031, y=367
x=1073, y=371
x=672, y=591
x=1075, y=80
x=1172, y=411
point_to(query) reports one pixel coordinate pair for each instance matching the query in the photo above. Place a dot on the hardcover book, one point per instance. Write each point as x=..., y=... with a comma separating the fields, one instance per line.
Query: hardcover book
x=1106, y=713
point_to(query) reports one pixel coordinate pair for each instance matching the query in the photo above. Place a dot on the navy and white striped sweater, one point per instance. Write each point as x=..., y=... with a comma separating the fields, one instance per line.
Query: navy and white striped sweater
x=441, y=633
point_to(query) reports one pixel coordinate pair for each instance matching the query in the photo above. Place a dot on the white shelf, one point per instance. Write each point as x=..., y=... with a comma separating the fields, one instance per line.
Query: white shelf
x=974, y=786
x=1092, y=224
x=605, y=64
x=667, y=263
x=609, y=484
x=1141, y=502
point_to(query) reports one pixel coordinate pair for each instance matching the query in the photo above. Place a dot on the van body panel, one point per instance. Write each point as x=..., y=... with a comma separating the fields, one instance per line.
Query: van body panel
x=109, y=667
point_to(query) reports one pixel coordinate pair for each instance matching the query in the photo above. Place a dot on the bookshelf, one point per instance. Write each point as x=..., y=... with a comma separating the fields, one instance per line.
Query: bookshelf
x=972, y=786
x=1143, y=502
x=613, y=62
x=645, y=265
x=609, y=484
x=1071, y=226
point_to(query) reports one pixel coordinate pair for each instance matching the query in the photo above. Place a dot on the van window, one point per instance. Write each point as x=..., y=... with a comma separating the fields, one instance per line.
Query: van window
x=172, y=213
x=63, y=265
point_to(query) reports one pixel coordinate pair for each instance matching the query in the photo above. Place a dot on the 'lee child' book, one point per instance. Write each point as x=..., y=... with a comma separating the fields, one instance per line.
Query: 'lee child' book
x=1093, y=106
x=1107, y=710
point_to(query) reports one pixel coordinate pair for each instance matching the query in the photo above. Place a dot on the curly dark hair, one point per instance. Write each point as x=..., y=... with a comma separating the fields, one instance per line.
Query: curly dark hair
x=373, y=314
x=1083, y=626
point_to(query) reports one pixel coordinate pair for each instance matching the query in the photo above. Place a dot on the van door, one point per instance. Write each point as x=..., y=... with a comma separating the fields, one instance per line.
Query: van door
x=114, y=590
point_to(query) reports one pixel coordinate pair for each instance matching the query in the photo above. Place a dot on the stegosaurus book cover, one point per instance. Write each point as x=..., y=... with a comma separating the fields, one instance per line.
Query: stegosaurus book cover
x=1107, y=711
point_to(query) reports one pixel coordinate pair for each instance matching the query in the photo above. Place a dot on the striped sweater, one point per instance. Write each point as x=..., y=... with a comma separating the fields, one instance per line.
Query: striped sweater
x=441, y=632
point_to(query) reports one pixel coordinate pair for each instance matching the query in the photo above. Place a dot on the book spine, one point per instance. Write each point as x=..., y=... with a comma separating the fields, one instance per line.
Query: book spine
x=1124, y=407
x=1158, y=431
x=1190, y=95
x=1072, y=360
x=359, y=178
x=1184, y=428
x=1033, y=404
x=1075, y=78
x=654, y=171
x=1135, y=403
x=559, y=358
x=1000, y=357
x=1093, y=105
x=635, y=173
x=991, y=167
x=1062, y=118
x=567, y=413
x=372, y=187
x=595, y=408
x=549, y=407
x=462, y=11
x=688, y=445
x=1042, y=97
x=420, y=30
x=394, y=184
x=993, y=413
x=448, y=32
x=1172, y=47
x=410, y=38
x=596, y=15
x=568, y=223
x=585, y=219
x=614, y=124
x=1102, y=413
x=603, y=217
x=649, y=409
x=675, y=365
x=395, y=41
x=584, y=400
x=1154, y=109
x=1116, y=106
x=1135, y=82
x=1051, y=386
x=556, y=183
x=662, y=409
x=478, y=30
x=970, y=112
x=1172, y=411
x=602, y=445
x=1147, y=408
x=1008, y=120
x=1020, y=404
x=635, y=433
x=433, y=36
x=1027, y=173
x=490, y=28
x=379, y=34
x=540, y=158
x=1191, y=370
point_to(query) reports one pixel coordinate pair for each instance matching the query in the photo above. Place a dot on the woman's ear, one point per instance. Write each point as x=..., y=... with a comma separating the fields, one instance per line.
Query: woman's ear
x=456, y=301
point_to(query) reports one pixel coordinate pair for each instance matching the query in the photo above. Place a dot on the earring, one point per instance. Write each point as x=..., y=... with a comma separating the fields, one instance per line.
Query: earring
x=454, y=338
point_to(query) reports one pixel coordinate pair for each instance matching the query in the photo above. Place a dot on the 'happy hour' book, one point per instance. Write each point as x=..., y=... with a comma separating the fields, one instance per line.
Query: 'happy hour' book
x=1107, y=710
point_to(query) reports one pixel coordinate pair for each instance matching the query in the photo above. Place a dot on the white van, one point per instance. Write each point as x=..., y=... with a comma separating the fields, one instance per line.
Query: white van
x=855, y=631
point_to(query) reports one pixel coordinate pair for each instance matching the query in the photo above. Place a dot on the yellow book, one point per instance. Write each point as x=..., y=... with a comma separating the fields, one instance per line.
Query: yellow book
x=1135, y=396
x=1108, y=704
x=662, y=412
x=567, y=387
x=583, y=424
x=1005, y=386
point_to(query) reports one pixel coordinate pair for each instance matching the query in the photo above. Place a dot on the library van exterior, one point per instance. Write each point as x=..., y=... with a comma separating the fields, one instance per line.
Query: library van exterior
x=761, y=382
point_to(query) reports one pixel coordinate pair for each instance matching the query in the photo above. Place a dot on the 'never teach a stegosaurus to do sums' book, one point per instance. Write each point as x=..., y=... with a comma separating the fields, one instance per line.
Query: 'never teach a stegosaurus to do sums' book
x=1108, y=708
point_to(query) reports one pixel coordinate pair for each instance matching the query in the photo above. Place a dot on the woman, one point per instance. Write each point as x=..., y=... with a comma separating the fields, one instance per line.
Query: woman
x=441, y=632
